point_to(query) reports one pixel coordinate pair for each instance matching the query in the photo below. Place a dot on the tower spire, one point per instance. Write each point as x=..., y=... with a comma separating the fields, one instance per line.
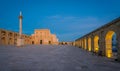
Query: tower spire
x=20, y=13
x=20, y=17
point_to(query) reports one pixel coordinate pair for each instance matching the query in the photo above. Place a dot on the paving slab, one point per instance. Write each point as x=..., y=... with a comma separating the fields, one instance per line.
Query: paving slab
x=53, y=58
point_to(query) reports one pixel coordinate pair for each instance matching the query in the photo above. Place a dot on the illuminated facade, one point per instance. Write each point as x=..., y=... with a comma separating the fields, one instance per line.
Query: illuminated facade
x=10, y=38
x=65, y=43
x=41, y=36
x=101, y=40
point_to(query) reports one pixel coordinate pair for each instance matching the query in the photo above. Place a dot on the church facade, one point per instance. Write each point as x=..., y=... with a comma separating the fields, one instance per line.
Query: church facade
x=43, y=36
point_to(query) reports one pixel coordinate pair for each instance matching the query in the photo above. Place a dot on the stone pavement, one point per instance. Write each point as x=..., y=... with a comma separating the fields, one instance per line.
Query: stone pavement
x=53, y=58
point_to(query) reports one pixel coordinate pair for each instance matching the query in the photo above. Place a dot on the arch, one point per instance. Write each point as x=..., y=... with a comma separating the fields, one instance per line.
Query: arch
x=89, y=44
x=15, y=41
x=10, y=41
x=41, y=41
x=108, y=43
x=33, y=42
x=50, y=42
x=3, y=39
x=96, y=43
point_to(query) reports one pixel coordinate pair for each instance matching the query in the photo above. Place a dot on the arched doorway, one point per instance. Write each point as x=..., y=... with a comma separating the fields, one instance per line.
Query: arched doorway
x=110, y=43
x=96, y=44
x=15, y=41
x=49, y=42
x=41, y=42
x=89, y=44
x=3, y=39
x=10, y=41
x=32, y=42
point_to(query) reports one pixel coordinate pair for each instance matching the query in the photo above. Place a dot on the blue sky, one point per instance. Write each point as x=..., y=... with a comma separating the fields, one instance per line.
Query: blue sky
x=68, y=19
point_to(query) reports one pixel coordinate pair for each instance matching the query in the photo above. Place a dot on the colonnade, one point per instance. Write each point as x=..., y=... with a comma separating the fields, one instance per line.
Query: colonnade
x=100, y=40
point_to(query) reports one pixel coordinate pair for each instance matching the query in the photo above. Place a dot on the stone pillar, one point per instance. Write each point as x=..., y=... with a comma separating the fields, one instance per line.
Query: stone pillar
x=83, y=43
x=80, y=43
x=20, y=25
x=74, y=43
x=102, y=43
x=12, y=38
x=0, y=37
x=92, y=43
x=87, y=44
x=6, y=38
x=118, y=45
x=20, y=40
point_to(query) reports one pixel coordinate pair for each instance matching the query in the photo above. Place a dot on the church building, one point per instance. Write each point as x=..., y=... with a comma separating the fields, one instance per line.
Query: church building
x=43, y=36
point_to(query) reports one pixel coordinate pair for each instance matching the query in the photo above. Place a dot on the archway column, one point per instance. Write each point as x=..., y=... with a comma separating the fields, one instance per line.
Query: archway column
x=92, y=43
x=76, y=43
x=102, y=44
x=118, y=45
x=82, y=43
x=79, y=43
x=7, y=38
x=0, y=37
x=87, y=44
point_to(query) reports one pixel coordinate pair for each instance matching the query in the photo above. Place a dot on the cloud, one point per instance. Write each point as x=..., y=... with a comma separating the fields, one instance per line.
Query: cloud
x=54, y=17
x=67, y=36
x=75, y=22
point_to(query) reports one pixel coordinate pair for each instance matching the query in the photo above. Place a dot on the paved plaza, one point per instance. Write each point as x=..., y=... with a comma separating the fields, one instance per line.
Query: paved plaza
x=53, y=58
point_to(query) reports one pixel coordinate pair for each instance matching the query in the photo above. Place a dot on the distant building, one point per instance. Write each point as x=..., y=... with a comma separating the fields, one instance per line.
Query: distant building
x=65, y=43
x=10, y=38
x=41, y=36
